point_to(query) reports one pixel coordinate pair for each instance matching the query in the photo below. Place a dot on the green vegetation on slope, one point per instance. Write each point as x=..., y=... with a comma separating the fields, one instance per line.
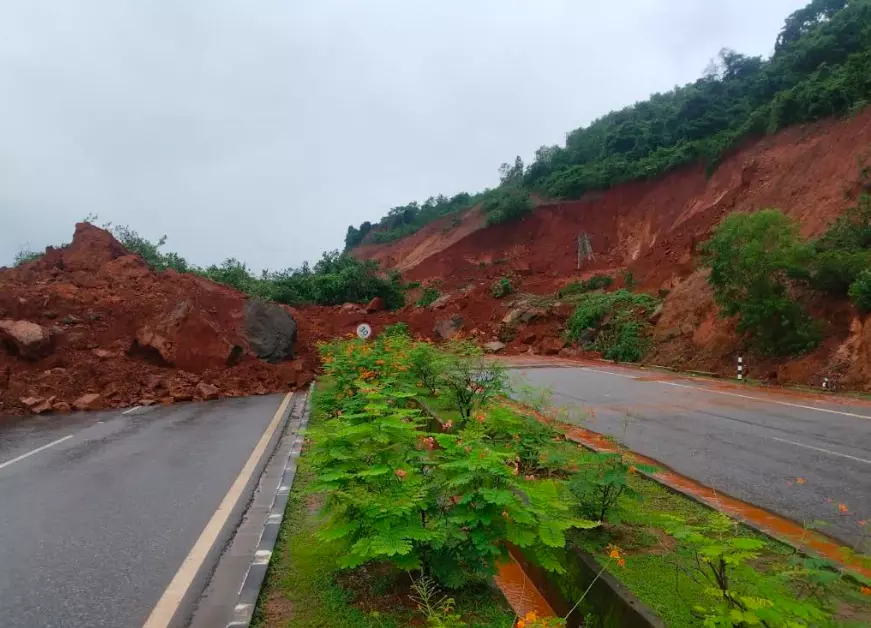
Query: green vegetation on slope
x=821, y=67
x=334, y=279
x=761, y=268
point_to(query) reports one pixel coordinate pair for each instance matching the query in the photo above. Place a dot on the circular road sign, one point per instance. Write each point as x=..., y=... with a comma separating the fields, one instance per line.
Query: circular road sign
x=364, y=331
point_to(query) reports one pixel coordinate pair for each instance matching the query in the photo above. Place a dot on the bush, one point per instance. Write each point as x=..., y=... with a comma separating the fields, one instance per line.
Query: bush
x=471, y=381
x=833, y=271
x=22, y=257
x=753, y=258
x=428, y=297
x=596, y=282
x=507, y=205
x=624, y=336
x=397, y=329
x=501, y=288
x=860, y=291
x=447, y=503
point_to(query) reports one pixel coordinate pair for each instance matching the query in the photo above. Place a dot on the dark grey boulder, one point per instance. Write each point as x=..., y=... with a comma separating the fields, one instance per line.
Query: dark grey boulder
x=270, y=330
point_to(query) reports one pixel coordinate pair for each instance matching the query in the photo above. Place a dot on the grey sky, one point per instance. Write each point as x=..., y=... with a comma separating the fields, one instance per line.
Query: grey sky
x=261, y=129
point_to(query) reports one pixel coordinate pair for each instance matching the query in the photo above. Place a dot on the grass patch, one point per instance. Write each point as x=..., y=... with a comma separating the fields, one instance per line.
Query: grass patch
x=305, y=589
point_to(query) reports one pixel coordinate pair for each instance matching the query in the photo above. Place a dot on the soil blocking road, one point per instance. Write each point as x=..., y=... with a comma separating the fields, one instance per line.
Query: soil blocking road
x=749, y=443
x=98, y=511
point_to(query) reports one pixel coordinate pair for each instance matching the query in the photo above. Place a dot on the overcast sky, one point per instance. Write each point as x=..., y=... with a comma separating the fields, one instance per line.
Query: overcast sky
x=261, y=129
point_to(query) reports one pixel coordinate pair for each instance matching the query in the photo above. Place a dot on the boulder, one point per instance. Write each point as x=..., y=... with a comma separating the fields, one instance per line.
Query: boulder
x=447, y=328
x=270, y=330
x=26, y=339
x=531, y=314
x=207, y=391
x=187, y=337
x=45, y=406
x=375, y=305
x=513, y=316
x=494, y=347
x=61, y=406
x=91, y=401
x=31, y=402
x=441, y=302
x=551, y=345
x=351, y=308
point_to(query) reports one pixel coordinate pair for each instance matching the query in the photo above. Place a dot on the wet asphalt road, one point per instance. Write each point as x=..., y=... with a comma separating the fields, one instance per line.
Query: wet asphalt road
x=93, y=528
x=749, y=448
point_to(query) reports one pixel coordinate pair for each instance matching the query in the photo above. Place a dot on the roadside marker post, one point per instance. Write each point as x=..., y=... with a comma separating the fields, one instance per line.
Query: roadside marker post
x=740, y=368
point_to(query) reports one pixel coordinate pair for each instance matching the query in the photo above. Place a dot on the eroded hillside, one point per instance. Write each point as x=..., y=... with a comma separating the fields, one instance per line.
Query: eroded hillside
x=651, y=229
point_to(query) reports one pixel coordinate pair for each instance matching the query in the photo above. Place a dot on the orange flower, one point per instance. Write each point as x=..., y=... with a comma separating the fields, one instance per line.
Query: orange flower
x=800, y=481
x=842, y=508
x=621, y=562
x=865, y=590
x=614, y=552
x=401, y=473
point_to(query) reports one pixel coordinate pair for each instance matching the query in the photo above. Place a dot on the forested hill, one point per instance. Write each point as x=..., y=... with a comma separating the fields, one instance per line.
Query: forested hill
x=821, y=67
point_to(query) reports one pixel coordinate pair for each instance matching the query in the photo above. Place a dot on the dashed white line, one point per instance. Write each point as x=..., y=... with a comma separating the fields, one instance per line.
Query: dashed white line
x=825, y=451
x=731, y=394
x=764, y=400
x=35, y=451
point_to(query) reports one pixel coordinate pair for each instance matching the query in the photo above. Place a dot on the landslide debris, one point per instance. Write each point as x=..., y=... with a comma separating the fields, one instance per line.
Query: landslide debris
x=91, y=326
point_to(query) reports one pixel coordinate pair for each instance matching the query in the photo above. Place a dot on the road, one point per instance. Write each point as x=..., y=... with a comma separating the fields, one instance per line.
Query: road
x=743, y=441
x=99, y=510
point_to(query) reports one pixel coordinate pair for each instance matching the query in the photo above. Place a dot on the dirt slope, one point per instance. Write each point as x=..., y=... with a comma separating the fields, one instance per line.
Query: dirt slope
x=433, y=238
x=651, y=228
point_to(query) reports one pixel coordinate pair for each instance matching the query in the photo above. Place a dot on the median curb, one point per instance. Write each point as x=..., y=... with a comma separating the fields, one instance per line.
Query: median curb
x=249, y=592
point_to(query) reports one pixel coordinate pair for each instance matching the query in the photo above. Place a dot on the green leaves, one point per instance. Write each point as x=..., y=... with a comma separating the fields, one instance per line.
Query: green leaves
x=753, y=260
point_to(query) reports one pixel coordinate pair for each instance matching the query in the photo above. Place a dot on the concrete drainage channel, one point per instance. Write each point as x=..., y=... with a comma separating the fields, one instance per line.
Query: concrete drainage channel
x=231, y=595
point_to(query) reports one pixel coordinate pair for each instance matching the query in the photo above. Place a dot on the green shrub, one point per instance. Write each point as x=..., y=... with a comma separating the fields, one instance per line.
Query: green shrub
x=397, y=329
x=447, y=503
x=835, y=270
x=624, y=336
x=501, y=288
x=507, y=205
x=860, y=291
x=753, y=258
x=22, y=257
x=596, y=282
x=428, y=297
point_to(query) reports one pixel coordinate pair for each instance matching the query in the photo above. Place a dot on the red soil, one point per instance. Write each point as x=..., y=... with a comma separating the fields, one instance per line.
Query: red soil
x=97, y=298
x=652, y=228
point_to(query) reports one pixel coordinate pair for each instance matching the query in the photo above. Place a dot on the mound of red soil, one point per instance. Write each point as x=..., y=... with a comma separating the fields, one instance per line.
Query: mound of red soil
x=91, y=319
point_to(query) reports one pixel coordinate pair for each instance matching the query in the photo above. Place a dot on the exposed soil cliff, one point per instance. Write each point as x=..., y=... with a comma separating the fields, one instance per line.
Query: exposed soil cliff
x=652, y=228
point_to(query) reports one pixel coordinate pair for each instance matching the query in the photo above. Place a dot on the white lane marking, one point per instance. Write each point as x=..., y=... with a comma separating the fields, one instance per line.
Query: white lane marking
x=35, y=451
x=764, y=400
x=825, y=451
x=166, y=607
x=133, y=409
x=587, y=368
